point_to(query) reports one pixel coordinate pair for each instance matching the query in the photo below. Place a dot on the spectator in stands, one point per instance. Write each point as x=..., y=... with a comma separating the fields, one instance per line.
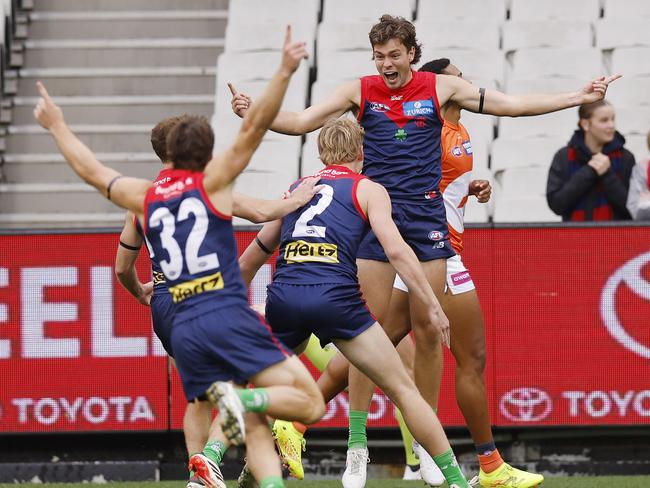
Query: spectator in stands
x=590, y=177
x=638, y=198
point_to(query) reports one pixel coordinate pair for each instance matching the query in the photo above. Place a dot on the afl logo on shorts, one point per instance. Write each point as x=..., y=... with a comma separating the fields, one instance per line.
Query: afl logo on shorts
x=457, y=151
x=378, y=107
x=628, y=285
x=436, y=235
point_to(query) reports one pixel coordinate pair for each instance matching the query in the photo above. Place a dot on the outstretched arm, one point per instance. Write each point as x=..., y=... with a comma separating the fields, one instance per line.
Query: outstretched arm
x=125, y=258
x=345, y=97
x=259, y=251
x=468, y=96
x=258, y=210
x=400, y=255
x=222, y=170
x=124, y=191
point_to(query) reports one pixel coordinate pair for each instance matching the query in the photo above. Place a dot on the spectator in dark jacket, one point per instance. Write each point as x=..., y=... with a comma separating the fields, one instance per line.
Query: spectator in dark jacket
x=590, y=177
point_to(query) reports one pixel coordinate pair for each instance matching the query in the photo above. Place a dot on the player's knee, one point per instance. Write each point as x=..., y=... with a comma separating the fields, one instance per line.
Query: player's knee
x=473, y=363
x=316, y=410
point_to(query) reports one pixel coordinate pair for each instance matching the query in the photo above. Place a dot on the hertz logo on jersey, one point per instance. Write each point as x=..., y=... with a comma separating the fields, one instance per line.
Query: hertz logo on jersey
x=197, y=286
x=317, y=252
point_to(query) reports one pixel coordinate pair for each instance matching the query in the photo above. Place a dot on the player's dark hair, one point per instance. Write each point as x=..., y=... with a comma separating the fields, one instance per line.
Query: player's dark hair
x=436, y=66
x=159, y=136
x=190, y=143
x=587, y=110
x=390, y=27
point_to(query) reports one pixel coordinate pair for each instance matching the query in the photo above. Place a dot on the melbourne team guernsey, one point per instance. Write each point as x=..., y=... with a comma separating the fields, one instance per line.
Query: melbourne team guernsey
x=402, y=139
x=319, y=241
x=193, y=244
x=457, y=164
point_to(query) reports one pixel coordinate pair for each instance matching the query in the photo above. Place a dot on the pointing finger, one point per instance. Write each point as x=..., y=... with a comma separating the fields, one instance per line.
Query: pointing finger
x=42, y=91
x=613, y=78
x=233, y=91
x=287, y=35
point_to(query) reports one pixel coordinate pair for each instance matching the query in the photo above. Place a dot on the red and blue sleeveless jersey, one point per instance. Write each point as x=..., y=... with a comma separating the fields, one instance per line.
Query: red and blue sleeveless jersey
x=319, y=241
x=193, y=244
x=402, y=140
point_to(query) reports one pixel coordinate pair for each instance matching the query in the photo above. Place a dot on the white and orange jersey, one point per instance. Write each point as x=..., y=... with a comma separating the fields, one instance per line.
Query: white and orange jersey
x=457, y=163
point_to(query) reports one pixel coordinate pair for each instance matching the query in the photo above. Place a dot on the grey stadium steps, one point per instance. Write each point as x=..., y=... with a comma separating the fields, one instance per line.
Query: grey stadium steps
x=94, y=5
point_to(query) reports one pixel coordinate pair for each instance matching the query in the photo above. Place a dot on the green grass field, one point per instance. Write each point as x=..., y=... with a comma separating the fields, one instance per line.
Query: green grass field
x=573, y=482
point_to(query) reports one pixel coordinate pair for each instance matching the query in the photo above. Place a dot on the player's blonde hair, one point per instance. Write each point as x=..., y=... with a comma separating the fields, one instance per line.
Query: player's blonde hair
x=340, y=141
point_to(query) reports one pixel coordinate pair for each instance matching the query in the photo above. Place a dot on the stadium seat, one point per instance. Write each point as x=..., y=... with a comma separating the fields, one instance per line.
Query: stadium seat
x=560, y=124
x=322, y=88
x=628, y=32
x=521, y=34
x=242, y=13
x=638, y=146
x=625, y=9
x=475, y=64
x=269, y=185
x=563, y=63
x=630, y=91
x=525, y=152
x=269, y=36
x=545, y=85
x=344, y=36
x=342, y=66
x=631, y=61
x=459, y=34
x=369, y=10
x=523, y=209
x=433, y=10
x=310, y=163
x=479, y=126
x=633, y=120
x=555, y=10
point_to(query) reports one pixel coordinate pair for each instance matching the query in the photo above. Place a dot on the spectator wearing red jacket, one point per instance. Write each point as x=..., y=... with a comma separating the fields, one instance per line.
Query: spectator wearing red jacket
x=590, y=177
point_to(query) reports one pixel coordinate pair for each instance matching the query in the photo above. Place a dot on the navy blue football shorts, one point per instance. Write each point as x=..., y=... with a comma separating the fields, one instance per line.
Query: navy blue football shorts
x=329, y=311
x=162, y=316
x=422, y=225
x=224, y=344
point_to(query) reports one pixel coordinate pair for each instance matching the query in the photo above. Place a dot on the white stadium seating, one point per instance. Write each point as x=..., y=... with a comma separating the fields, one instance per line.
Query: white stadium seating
x=633, y=120
x=343, y=66
x=435, y=10
x=555, y=9
x=630, y=91
x=545, y=85
x=561, y=124
x=628, y=32
x=525, y=152
x=625, y=9
x=474, y=64
x=344, y=36
x=242, y=13
x=547, y=33
x=631, y=61
x=268, y=37
x=638, y=146
x=564, y=63
x=459, y=34
x=369, y=10
x=523, y=209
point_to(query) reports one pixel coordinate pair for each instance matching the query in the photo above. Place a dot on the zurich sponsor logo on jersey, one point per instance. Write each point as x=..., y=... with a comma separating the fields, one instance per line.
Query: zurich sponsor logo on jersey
x=467, y=145
x=456, y=151
x=419, y=107
x=379, y=107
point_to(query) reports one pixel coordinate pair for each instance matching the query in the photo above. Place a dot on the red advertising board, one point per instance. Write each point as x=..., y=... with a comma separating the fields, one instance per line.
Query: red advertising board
x=567, y=318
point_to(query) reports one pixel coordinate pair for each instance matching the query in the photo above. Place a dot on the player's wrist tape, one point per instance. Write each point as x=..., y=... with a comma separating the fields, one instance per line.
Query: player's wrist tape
x=130, y=248
x=262, y=246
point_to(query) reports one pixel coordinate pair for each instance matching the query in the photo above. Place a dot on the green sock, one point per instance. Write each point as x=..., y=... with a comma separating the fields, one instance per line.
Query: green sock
x=407, y=439
x=215, y=450
x=254, y=399
x=272, y=482
x=358, y=437
x=450, y=469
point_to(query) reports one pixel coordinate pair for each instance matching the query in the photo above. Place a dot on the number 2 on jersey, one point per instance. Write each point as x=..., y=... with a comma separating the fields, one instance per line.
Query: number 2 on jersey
x=301, y=229
x=195, y=263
